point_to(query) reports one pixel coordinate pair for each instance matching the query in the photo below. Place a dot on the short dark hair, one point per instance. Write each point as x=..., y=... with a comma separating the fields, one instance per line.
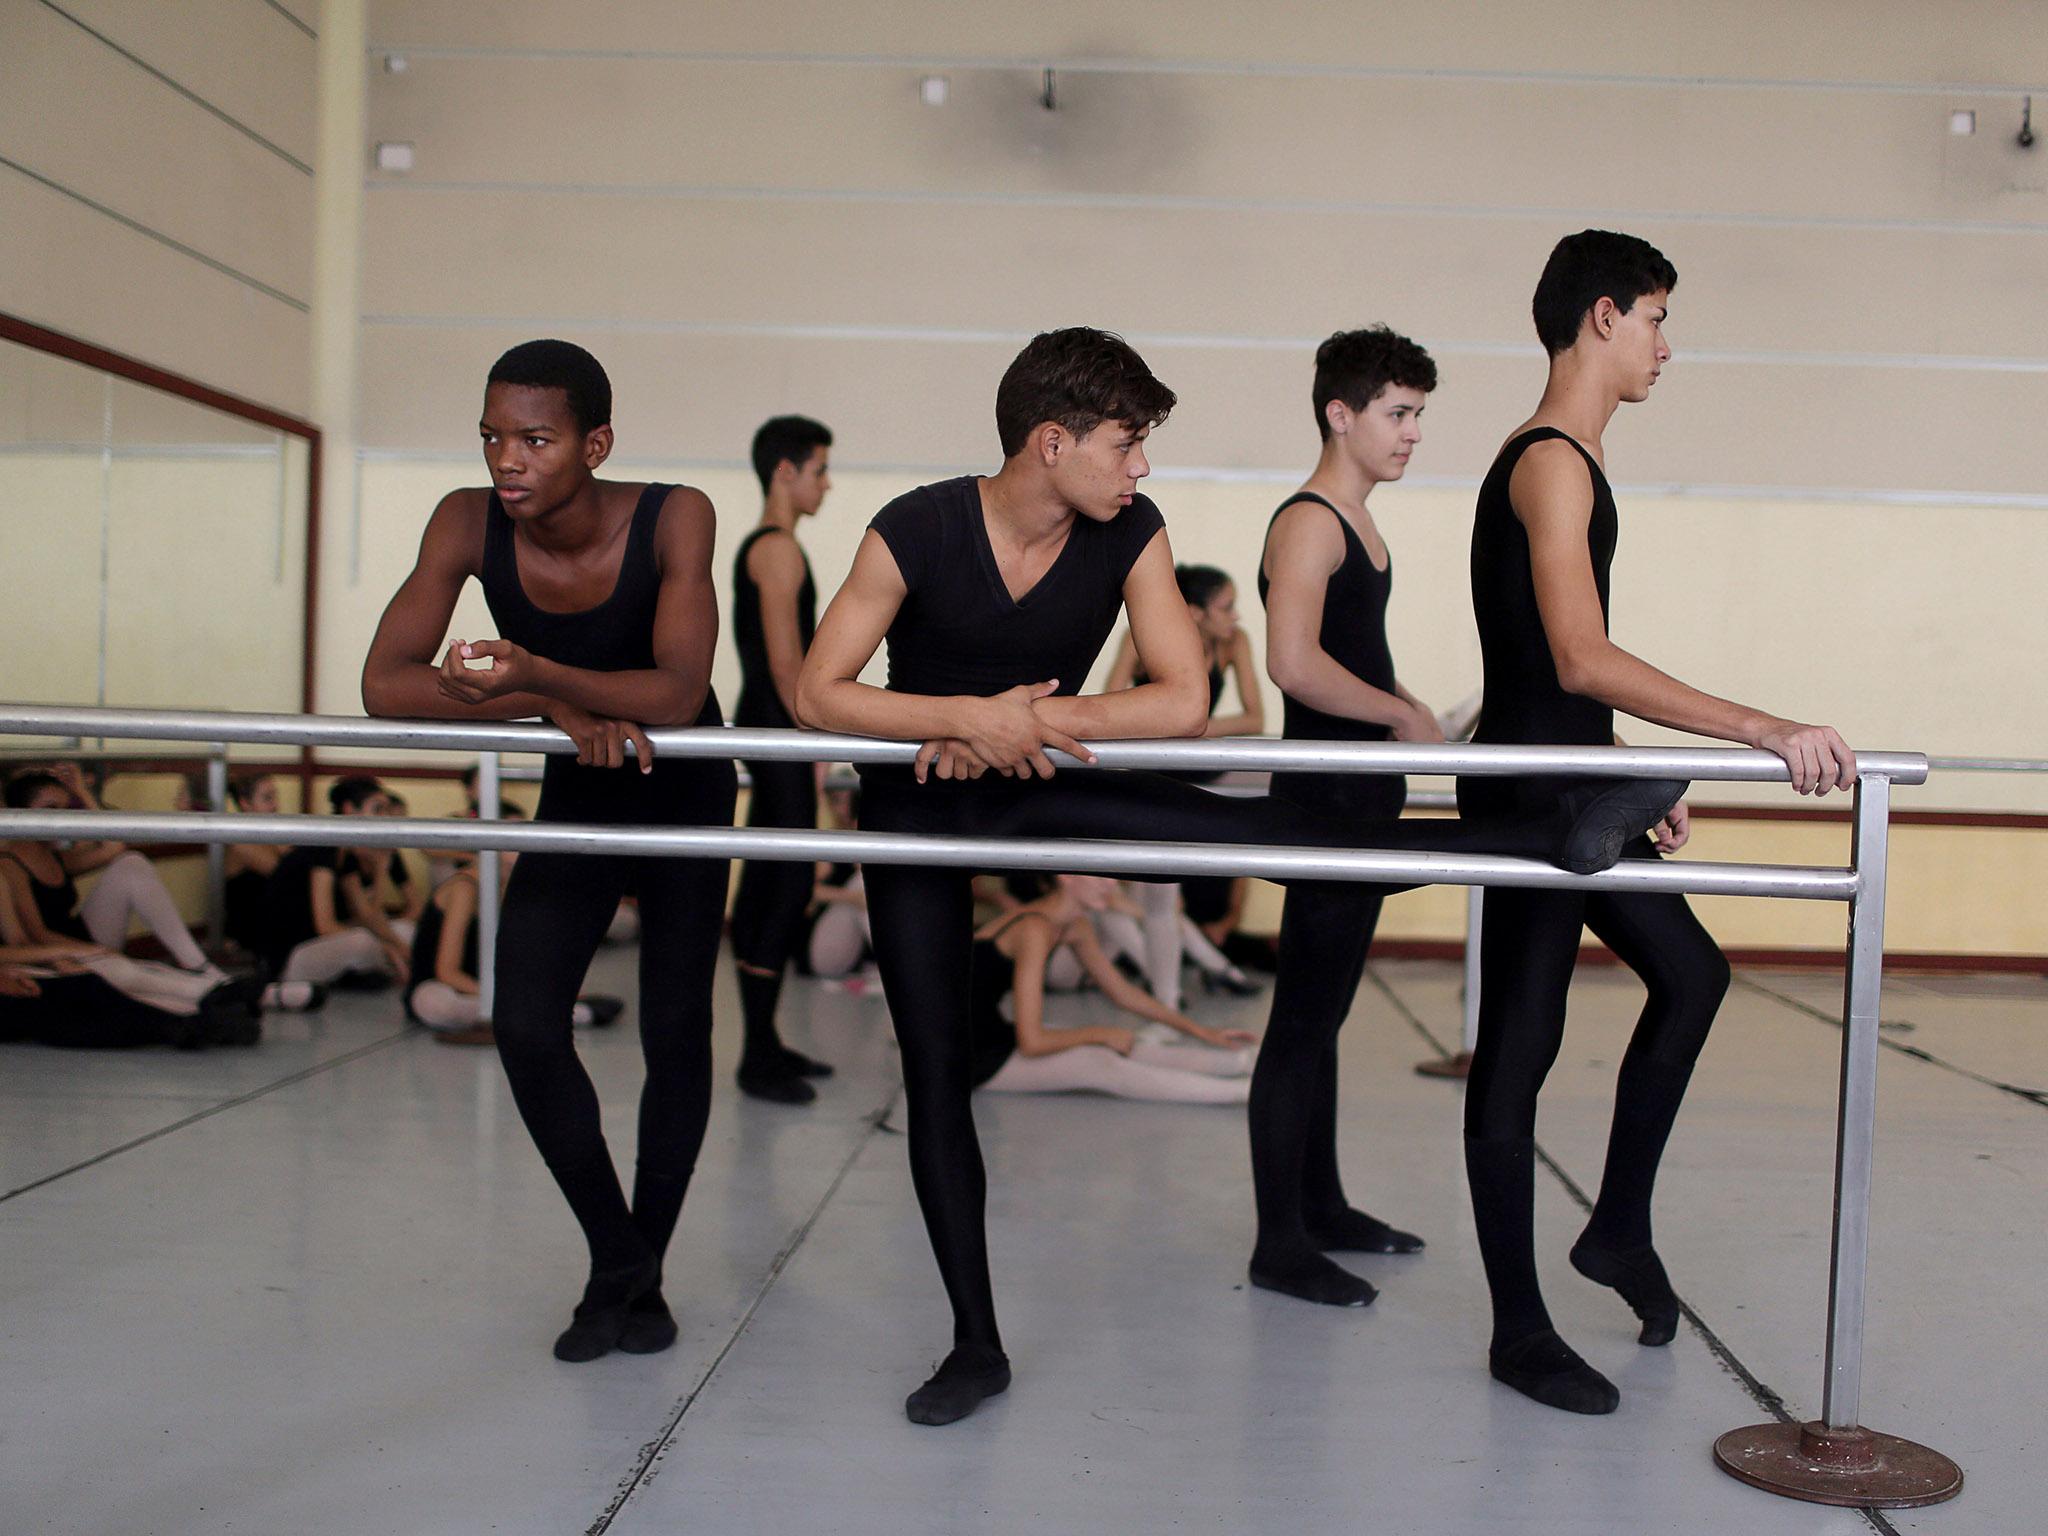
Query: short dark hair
x=344, y=794
x=242, y=786
x=787, y=439
x=1199, y=584
x=25, y=786
x=1585, y=268
x=560, y=365
x=1354, y=366
x=1079, y=377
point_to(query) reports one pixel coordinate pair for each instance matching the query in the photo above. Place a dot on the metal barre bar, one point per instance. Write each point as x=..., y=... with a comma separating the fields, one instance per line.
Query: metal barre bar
x=1725, y=764
x=1049, y=855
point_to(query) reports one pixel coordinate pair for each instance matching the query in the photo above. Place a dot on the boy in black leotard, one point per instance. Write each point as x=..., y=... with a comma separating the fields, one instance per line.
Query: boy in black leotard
x=1324, y=579
x=1542, y=542
x=603, y=594
x=995, y=595
x=774, y=612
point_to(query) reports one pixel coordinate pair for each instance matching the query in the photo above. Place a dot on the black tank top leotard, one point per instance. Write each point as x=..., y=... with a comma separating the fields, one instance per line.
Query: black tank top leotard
x=1354, y=635
x=57, y=904
x=615, y=636
x=1524, y=701
x=426, y=947
x=959, y=631
x=991, y=1038
x=759, y=703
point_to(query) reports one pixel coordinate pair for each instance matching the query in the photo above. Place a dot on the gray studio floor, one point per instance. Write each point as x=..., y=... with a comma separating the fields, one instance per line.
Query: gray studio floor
x=310, y=1288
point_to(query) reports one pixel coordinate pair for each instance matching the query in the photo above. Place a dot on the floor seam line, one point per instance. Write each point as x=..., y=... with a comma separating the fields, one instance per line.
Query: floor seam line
x=1759, y=1392
x=651, y=1452
x=207, y=1113
x=2033, y=1096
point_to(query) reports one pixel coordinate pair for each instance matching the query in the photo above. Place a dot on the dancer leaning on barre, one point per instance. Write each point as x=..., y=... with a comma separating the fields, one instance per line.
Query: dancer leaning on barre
x=1017, y=1053
x=1543, y=541
x=995, y=596
x=602, y=593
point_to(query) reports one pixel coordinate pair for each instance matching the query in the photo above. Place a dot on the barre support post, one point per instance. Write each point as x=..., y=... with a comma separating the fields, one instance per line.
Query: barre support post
x=1834, y=1459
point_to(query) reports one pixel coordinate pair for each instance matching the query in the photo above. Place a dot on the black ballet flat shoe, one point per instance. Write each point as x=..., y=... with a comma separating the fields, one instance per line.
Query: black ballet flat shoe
x=1308, y=1276
x=776, y=1087
x=604, y=1009
x=800, y=1065
x=1638, y=1274
x=363, y=981
x=1236, y=985
x=1602, y=817
x=649, y=1327
x=964, y=1380
x=225, y=1018
x=600, y=1317
x=1544, y=1367
x=1354, y=1231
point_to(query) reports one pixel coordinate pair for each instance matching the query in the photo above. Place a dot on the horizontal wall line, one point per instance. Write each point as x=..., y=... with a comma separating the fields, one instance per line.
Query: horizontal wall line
x=90, y=450
x=190, y=95
x=1192, y=202
x=1241, y=69
x=158, y=236
x=1190, y=340
x=1288, y=475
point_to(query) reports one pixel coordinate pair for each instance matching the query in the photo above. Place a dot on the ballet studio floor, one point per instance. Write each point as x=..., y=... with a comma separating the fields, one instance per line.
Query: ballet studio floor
x=310, y=1288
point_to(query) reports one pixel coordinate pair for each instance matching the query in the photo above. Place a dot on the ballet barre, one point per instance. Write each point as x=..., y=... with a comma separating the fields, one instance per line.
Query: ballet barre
x=1832, y=1459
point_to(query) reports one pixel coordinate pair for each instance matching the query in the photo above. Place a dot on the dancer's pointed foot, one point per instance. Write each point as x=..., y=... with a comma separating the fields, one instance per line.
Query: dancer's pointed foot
x=1638, y=1274
x=965, y=1379
x=1602, y=817
x=800, y=1065
x=1544, y=1367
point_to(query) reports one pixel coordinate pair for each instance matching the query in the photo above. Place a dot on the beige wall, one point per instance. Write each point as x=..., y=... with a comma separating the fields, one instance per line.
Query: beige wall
x=155, y=182
x=1835, y=506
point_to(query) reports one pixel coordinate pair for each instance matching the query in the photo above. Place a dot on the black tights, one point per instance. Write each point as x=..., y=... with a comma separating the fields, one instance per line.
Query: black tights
x=1528, y=947
x=557, y=908
x=768, y=912
x=923, y=925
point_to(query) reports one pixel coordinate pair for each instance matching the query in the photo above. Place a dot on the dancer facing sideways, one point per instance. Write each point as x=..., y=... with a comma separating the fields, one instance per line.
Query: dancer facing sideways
x=1543, y=541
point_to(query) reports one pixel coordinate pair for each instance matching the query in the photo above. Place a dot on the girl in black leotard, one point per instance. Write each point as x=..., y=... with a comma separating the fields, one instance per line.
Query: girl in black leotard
x=603, y=595
x=1325, y=578
x=995, y=597
x=774, y=613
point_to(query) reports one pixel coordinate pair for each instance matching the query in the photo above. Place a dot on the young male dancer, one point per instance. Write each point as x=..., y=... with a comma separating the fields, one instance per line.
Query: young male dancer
x=1543, y=541
x=1324, y=579
x=602, y=594
x=995, y=595
x=774, y=613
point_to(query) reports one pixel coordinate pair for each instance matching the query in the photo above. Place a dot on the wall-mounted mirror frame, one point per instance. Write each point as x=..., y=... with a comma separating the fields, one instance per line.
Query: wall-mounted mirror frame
x=40, y=338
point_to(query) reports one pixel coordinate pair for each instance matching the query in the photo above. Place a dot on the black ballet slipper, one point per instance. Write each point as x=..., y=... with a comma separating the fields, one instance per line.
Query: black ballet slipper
x=1638, y=1274
x=965, y=1379
x=1353, y=1231
x=600, y=1317
x=1235, y=983
x=226, y=1019
x=1542, y=1366
x=1308, y=1276
x=800, y=1065
x=775, y=1085
x=649, y=1327
x=1602, y=817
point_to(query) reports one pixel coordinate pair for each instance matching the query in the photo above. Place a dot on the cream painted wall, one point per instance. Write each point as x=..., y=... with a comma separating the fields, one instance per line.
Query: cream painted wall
x=155, y=183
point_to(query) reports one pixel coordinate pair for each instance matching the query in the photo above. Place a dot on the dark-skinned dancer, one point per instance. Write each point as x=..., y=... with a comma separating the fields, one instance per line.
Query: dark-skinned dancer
x=1543, y=540
x=995, y=595
x=604, y=604
x=774, y=612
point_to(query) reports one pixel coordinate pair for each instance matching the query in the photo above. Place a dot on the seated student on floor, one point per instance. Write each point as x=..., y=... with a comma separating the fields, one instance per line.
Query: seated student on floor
x=51, y=1001
x=444, y=992
x=323, y=922
x=1017, y=1053
x=386, y=872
